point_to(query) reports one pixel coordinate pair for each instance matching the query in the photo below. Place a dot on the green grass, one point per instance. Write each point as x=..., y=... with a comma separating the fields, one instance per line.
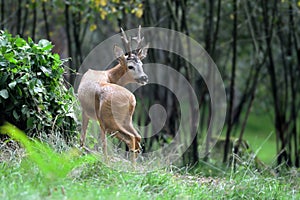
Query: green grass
x=42, y=173
x=96, y=181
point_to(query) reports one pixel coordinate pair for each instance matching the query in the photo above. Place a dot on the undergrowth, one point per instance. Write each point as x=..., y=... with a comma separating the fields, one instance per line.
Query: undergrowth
x=33, y=95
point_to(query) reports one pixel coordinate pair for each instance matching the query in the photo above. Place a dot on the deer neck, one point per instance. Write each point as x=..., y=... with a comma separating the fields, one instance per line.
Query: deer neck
x=116, y=75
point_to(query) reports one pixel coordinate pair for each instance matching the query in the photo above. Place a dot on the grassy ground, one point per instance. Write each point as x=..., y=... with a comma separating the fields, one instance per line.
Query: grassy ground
x=42, y=173
x=25, y=180
x=96, y=181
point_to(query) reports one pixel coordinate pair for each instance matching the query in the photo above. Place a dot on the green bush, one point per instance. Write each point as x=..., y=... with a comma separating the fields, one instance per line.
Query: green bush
x=32, y=93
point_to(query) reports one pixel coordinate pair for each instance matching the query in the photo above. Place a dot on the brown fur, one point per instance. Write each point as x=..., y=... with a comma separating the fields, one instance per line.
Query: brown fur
x=110, y=104
x=103, y=98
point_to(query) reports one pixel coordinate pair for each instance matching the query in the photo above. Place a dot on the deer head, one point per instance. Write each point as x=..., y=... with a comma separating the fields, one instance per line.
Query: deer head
x=131, y=60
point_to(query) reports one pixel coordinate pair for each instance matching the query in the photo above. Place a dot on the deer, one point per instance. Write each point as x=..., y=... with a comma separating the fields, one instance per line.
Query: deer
x=104, y=98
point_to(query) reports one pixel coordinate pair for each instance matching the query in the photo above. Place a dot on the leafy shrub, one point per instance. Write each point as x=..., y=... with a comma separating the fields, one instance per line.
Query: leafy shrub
x=32, y=93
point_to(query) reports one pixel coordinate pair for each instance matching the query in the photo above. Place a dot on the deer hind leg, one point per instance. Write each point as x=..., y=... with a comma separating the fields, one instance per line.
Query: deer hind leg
x=84, y=125
x=138, y=147
x=132, y=148
x=98, y=106
x=135, y=152
x=131, y=129
x=104, y=143
x=129, y=140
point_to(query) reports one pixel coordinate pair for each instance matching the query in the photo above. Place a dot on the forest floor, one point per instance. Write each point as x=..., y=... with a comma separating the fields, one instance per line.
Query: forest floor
x=38, y=171
x=27, y=175
x=99, y=182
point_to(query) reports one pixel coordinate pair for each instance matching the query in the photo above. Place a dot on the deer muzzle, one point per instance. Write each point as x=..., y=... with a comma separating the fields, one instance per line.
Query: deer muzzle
x=143, y=80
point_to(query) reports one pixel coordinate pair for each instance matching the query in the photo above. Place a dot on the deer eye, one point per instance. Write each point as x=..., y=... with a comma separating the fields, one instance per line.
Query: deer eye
x=131, y=67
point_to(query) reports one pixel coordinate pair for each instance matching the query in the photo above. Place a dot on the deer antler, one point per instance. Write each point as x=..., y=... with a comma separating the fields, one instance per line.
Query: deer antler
x=126, y=42
x=138, y=39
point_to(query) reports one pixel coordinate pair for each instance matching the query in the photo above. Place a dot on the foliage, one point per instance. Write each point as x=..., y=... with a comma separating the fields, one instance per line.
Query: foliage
x=32, y=94
x=110, y=8
x=90, y=10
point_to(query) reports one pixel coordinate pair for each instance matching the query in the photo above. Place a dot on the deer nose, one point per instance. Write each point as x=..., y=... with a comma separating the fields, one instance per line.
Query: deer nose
x=144, y=78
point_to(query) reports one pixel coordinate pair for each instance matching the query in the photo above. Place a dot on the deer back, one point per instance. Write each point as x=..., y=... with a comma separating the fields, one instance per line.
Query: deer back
x=116, y=106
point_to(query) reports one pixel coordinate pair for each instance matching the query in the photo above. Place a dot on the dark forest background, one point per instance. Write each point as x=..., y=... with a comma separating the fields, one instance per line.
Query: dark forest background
x=255, y=45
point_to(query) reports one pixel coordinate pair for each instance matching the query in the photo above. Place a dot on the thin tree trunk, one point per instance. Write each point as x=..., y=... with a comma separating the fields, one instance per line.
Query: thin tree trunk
x=195, y=119
x=45, y=20
x=232, y=83
x=25, y=18
x=84, y=29
x=34, y=21
x=216, y=33
x=252, y=96
x=76, y=30
x=69, y=78
x=2, y=14
x=19, y=16
x=243, y=100
x=293, y=88
x=273, y=81
x=208, y=26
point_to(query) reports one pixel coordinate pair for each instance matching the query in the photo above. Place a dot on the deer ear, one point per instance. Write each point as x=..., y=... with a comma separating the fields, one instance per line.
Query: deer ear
x=143, y=52
x=118, y=51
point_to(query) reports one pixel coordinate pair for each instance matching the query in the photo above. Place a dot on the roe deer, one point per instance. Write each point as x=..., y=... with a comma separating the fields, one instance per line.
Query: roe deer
x=103, y=98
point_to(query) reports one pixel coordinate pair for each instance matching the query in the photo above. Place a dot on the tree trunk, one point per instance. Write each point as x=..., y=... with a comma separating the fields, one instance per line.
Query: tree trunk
x=232, y=83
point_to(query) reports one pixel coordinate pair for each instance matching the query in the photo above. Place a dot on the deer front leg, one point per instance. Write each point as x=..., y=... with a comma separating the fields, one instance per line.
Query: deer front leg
x=84, y=125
